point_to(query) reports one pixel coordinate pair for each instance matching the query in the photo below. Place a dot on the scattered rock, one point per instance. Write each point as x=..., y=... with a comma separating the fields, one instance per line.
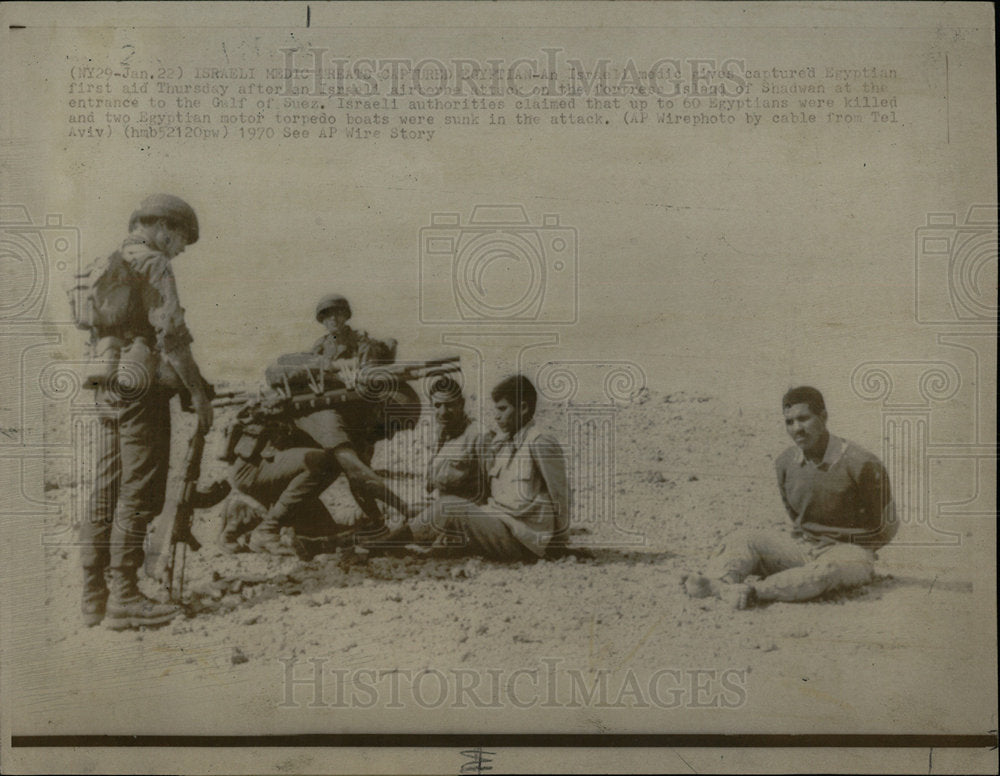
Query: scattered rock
x=237, y=657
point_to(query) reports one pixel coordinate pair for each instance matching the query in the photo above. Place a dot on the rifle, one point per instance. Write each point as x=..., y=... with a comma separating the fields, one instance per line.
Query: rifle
x=180, y=537
x=298, y=373
x=367, y=383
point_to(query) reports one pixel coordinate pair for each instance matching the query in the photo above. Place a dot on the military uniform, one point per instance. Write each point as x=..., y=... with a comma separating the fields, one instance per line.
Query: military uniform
x=134, y=443
x=286, y=475
x=133, y=446
x=342, y=344
x=455, y=467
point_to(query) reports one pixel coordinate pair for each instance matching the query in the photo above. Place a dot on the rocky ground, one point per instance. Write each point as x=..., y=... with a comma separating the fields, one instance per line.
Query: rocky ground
x=909, y=653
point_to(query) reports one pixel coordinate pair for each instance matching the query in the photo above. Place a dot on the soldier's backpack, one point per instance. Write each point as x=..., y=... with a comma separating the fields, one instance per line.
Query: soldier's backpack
x=100, y=297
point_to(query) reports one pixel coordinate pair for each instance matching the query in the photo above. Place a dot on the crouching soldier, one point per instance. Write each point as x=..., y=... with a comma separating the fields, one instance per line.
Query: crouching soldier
x=322, y=444
x=838, y=499
x=278, y=473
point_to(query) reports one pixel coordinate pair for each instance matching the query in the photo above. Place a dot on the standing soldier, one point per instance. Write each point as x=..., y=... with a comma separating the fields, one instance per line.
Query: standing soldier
x=149, y=342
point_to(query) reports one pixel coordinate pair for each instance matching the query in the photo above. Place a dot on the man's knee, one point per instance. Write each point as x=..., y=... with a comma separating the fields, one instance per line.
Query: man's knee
x=319, y=461
x=740, y=540
x=847, y=566
x=358, y=473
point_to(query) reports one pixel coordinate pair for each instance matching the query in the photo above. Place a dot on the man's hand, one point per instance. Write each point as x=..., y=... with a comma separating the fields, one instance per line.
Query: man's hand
x=203, y=408
x=183, y=363
x=348, y=373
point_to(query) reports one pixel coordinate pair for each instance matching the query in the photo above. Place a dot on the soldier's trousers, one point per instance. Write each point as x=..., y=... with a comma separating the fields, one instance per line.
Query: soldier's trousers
x=130, y=480
x=289, y=485
x=794, y=568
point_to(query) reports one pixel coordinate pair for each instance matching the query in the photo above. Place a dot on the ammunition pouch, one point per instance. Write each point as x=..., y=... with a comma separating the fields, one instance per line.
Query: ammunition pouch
x=245, y=441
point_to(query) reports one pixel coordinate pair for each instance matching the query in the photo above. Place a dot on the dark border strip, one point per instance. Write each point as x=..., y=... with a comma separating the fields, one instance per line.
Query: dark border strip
x=450, y=740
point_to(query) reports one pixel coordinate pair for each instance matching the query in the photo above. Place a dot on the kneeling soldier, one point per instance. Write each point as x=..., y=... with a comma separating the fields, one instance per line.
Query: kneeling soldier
x=283, y=472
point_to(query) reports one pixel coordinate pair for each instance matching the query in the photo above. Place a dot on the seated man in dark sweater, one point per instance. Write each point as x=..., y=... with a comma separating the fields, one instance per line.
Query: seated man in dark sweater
x=838, y=498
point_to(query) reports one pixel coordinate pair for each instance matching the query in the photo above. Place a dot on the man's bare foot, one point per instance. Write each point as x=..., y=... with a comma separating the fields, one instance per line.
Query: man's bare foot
x=698, y=585
x=738, y=595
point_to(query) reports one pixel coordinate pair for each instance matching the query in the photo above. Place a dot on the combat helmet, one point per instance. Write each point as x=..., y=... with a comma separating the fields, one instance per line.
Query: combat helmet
x=174, y=209
x=332, y=302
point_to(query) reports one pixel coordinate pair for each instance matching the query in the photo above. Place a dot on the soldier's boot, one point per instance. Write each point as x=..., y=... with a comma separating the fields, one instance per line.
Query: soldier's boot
x=266, y=538
x=95, y=595
x=128, y=608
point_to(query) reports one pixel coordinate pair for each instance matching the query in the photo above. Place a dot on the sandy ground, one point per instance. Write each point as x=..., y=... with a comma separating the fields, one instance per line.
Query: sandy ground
x=913, y=652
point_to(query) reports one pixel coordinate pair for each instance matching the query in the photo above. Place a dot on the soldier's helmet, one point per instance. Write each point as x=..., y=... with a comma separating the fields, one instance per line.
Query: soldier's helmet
x=332, y=302
x=174, y=209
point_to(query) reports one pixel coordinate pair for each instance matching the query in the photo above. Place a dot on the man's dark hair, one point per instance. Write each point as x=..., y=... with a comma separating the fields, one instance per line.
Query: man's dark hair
x=517, y=389
x=804, y=394
x=445, y=386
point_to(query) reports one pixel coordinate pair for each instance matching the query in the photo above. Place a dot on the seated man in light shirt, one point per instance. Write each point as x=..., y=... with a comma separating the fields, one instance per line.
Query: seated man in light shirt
x=455, y=457
x=838, y=500
x=456, y=464
x=527, y=502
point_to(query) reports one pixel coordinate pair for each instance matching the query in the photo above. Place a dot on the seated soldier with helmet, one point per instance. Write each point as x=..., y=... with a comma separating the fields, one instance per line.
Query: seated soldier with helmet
x=288, y=470
x=341, y=341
